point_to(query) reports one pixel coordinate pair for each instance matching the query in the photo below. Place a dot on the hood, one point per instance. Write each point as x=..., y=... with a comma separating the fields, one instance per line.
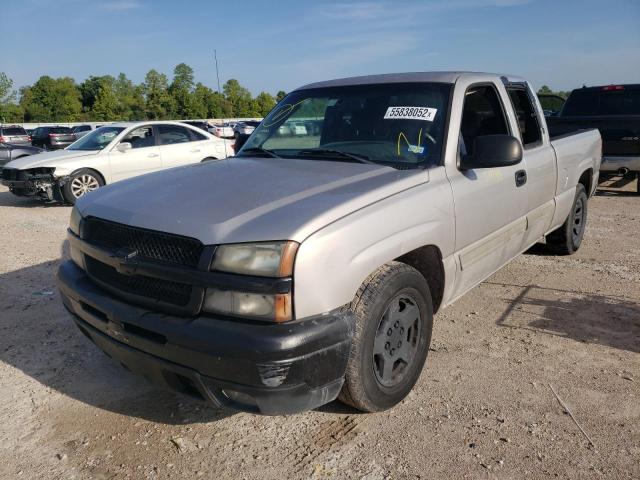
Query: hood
x=48, y=159
x=247, y=199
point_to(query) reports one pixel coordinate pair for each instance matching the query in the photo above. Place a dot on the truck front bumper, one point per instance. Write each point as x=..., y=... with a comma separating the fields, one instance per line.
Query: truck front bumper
x=271, y=369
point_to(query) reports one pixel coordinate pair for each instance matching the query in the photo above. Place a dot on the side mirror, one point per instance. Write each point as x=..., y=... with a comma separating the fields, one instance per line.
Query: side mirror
x=124, y=146
x=491, y=151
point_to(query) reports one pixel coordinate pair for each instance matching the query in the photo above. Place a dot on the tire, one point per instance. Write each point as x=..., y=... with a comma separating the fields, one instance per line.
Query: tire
x=208, y=159
x=638, y=183
x=566, y=240
x=384, y=336
x=81, y=182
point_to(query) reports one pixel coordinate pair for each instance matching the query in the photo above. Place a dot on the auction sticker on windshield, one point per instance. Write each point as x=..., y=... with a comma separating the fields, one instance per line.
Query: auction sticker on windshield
x=411, y=113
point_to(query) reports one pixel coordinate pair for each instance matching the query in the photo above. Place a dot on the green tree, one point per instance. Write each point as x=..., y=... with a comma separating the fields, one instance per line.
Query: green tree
x=280, y=95
x=263, y=104
x=209, y=104
x=9, y=111
x=131, y=105
x=52, y=100
x=239, y=98
x=90, y=88
x=158, y=102
x=181, y=89
x=106, y=106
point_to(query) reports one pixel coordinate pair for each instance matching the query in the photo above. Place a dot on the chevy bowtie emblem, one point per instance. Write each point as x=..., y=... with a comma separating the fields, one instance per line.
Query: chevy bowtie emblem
x=126, y=264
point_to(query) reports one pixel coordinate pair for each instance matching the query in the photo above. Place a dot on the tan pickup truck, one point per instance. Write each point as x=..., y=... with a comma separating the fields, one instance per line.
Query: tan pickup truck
x=310, y=266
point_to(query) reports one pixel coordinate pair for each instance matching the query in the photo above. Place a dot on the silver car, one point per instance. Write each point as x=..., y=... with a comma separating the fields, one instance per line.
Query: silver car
x=14, y=134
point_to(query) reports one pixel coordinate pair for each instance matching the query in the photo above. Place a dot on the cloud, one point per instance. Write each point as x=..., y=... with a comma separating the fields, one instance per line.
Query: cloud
x=120, y=5
x=378, y=10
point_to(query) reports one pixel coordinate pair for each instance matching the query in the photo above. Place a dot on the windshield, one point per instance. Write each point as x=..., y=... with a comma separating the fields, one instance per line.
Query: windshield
x=96, y=140
x=396, y=124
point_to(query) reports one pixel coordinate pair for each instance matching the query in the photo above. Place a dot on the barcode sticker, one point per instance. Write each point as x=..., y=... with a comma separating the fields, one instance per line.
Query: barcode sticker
x=411, y=113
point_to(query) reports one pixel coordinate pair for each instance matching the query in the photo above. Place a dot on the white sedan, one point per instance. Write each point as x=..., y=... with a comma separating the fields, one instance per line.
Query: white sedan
x=108, y=154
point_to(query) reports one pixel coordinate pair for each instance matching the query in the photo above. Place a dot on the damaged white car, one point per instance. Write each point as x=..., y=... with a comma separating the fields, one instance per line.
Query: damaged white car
x=109, y=154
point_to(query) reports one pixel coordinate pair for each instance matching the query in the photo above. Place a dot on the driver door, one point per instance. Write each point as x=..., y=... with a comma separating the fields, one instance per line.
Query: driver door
x=490, y=205
x=143, y=157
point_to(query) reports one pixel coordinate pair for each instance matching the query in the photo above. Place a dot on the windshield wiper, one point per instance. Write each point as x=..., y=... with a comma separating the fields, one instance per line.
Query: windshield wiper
x=338, y=153
x=259, y=150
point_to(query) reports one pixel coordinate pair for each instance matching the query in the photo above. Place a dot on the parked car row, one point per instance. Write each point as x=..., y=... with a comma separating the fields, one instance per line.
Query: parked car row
x=108, y=154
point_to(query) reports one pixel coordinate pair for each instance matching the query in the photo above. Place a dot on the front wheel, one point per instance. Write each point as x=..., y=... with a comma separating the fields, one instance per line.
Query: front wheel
x=394, y=319
x=80, y=183
x=567, y=239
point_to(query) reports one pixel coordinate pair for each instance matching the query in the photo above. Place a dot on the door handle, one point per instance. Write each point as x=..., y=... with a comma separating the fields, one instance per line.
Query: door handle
x=195, y=150
x=152, y=155
x=521, y=178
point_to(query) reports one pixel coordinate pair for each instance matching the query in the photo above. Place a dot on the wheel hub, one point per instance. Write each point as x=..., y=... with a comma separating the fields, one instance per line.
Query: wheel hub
x=396, y=340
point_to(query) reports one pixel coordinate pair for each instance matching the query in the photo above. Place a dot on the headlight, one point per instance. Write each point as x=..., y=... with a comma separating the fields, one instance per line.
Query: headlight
x=269, y=259
x=74, y=221
x=269, y=307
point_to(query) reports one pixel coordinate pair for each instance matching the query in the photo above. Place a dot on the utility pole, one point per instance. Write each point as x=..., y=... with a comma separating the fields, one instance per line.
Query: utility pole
x=215, y=56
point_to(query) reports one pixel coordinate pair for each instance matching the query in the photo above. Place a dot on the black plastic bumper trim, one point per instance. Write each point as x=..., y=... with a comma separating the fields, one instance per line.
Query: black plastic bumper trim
x=264, y=368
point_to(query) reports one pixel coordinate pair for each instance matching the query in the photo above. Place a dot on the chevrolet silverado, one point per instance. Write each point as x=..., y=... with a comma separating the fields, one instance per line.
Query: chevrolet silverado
x=310, y=266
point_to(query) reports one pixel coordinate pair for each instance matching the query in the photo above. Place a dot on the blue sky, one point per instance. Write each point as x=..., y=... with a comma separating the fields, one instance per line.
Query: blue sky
x=281, y=45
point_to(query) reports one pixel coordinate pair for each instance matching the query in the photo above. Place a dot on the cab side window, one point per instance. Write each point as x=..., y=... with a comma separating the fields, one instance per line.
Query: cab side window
x=141, y=137
x=482, y=114
x=527, y=117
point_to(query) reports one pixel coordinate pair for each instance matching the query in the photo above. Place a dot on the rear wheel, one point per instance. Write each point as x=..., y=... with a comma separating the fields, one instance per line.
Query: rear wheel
x=394, y=318
x=567, y=239
x=80, y=183
x=208, y=159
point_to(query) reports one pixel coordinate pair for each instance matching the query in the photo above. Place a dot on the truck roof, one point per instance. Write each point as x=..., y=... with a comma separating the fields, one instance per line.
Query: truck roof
x=409, y=77
x=613, y=86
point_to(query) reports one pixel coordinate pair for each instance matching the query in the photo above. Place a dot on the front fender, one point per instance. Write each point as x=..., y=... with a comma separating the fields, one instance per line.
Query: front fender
x=332, y=263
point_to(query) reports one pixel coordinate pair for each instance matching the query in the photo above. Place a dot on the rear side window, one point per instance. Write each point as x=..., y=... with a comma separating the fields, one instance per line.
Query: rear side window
x=527, y=117
x=482, y=114
x=624, y=101
x=197, y=136
x=170, y=134
x=13, y=131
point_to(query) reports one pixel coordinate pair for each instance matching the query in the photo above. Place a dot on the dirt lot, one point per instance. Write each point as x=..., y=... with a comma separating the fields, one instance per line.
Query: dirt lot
x=483, y=407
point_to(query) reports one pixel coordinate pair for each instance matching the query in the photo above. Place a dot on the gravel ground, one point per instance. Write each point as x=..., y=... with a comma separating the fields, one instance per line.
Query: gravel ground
x=483, y=407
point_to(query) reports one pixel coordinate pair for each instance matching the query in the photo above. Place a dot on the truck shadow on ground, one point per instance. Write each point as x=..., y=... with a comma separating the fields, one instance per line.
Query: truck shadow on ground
x=39, y=338
x=597, y=319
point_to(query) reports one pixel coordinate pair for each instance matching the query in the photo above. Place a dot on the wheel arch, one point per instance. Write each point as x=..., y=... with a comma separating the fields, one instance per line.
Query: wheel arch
x=428, y=261
x=95, y=170
x=586, y=179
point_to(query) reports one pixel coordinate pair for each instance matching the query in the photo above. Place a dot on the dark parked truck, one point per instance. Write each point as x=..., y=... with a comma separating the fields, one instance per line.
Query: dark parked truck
x=615, y=111
x=309, y=267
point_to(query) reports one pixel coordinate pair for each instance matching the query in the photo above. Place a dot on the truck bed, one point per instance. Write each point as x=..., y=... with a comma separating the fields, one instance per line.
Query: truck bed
x=576, y=152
